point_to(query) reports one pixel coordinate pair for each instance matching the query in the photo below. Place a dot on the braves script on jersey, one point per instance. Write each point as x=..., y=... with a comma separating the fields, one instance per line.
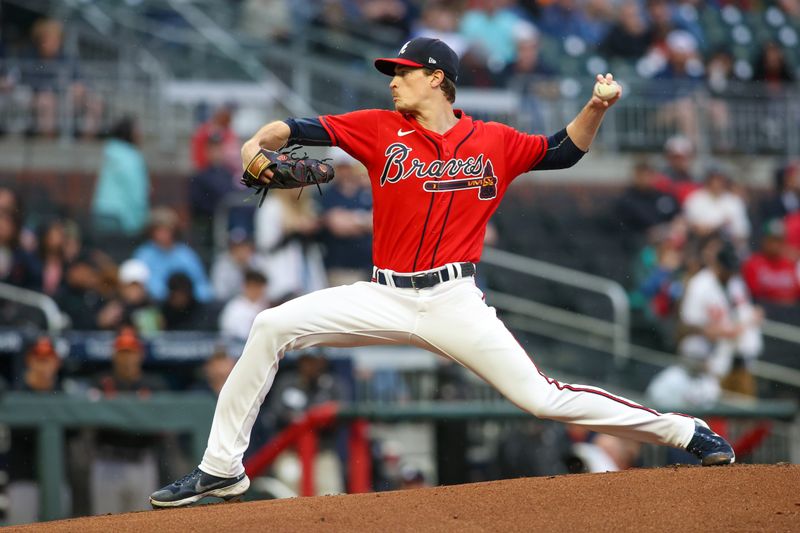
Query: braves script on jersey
x=422, y=181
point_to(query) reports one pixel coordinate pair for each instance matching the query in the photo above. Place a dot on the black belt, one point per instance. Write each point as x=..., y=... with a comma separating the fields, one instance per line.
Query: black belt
x=424, y=280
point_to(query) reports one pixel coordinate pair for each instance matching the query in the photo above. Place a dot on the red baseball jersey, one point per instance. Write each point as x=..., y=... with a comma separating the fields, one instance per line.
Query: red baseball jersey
x=433, y=194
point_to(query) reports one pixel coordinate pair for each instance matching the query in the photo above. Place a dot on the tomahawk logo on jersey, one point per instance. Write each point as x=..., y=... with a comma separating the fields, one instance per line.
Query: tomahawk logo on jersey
x=422, y=179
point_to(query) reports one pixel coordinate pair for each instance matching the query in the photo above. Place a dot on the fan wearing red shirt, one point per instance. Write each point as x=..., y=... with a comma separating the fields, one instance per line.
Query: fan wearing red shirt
x=437, y=175
x=771, y=276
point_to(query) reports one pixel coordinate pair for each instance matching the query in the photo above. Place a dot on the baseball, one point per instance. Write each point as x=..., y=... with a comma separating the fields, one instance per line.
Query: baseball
x=606, y=91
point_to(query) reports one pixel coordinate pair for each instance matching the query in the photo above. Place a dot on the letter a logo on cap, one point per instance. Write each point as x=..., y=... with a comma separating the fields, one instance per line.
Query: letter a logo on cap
x=403, y=50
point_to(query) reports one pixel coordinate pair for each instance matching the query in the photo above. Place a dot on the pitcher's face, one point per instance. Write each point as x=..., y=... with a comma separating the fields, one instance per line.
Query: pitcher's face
x=409, y=87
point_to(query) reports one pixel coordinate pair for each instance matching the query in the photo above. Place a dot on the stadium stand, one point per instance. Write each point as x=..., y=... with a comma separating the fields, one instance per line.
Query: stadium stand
x=721, y=76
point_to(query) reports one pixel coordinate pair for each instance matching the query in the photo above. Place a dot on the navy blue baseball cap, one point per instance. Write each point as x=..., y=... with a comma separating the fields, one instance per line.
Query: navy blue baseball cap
x=422, y=52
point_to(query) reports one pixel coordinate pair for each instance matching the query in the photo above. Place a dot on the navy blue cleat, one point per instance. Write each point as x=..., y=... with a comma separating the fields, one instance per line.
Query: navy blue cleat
x=196, y=486
x=709, y=447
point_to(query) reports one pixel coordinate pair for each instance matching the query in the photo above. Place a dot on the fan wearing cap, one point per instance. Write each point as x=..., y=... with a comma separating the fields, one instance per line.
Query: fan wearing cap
x=716, y=208
x=131, y=305
x=40, y=376
x=41, y=367
x=437, y=176
x=772, y=276
x=127, y=458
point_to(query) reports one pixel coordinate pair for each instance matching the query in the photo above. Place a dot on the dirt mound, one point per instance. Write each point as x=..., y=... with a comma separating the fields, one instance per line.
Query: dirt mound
x=735, y=498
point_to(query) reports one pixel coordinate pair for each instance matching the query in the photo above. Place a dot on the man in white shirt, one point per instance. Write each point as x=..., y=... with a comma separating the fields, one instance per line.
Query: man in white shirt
x=687, y=383
x=238, y=314
x=717, y=310
x=714, y=208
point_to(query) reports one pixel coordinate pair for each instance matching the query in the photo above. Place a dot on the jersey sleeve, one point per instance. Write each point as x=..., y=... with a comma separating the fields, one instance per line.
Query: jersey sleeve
x=523, y=151
x=354, y=132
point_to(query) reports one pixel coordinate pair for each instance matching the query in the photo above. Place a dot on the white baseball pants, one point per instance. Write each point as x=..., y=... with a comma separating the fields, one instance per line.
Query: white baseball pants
x=450, y=319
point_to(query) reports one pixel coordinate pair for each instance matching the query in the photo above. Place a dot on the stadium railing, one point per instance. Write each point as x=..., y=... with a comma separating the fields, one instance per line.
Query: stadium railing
x=49, y=415
x=746, y=120
x=54, y=318
x=603, y=335
x=192, y=413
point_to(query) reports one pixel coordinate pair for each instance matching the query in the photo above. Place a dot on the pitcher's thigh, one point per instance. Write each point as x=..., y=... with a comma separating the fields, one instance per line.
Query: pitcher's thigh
x=351, y=315
x=466, y=330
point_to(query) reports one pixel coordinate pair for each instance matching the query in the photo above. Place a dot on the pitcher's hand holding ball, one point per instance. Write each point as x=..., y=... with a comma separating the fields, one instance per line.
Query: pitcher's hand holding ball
x=606, y=91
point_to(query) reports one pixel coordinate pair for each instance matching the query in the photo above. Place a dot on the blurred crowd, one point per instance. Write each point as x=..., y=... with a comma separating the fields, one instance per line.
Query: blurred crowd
x=703, y=47
x=502, y=39
x=715, y=261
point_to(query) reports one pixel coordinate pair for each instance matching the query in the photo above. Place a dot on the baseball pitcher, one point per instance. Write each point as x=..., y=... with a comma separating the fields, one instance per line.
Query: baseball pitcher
x=437, y=176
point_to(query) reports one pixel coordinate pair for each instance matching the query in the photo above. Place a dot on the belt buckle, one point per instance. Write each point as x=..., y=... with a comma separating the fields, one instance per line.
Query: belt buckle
x=415, y=277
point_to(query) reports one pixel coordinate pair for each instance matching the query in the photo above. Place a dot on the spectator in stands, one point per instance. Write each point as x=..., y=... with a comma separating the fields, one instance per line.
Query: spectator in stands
x=771, y=275
x=164, y=255
x=88, y=283
x=529, y=68
x=474, y=70
x=219, y=127
x=181, y=309
x=439, y=20
x=588, y=21
x=342, y=18
x=9, y=201
x=309, y=385
x=286, y=229
x=786, y=198
x=629, y=37
x=238, y=314
x=53, y=255
x=45, y=69
x=411, y=477
x=266, y=20
x=124, y=467
x=677, y=176
x=9, y=78
x=792, y=223
x=658, y=273
x=42, y=364
x=387, y=15
x=227, y=272
x=209, y=186
x=121, y=199
x=720, y=84
x=715, y=208
x=717, y=316
x=215, y=371
x=606, y=453
x=772, y=68
x=688, y=383
x=132, y=306
x=642, y=205
x=347, y=219
x=17, y=266
x=684, y=71
x=490, y=26
x=661, y=24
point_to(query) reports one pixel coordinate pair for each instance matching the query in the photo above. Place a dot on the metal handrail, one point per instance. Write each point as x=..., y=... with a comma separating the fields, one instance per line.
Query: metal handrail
x=782, y=331
x=231, y=48
x=48, y=307
x=574, y=278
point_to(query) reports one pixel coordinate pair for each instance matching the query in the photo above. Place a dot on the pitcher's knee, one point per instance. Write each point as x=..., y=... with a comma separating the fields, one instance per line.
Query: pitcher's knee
x=270, y=325
x=533, y=402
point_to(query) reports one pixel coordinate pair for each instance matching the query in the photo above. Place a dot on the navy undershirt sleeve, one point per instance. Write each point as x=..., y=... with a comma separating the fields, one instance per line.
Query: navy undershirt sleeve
x=561, y=152
x=307, y=132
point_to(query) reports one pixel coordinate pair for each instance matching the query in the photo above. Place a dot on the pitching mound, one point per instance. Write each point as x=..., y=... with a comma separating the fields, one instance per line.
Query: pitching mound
x=736, y=498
